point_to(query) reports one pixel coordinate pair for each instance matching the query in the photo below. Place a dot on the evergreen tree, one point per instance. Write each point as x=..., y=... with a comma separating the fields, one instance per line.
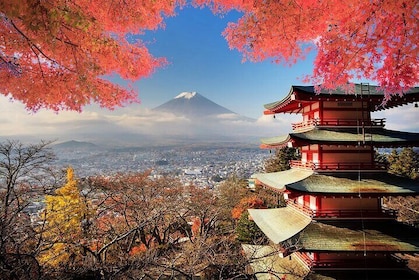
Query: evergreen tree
x=280, y=161
x=247, y=231
x=405, y=163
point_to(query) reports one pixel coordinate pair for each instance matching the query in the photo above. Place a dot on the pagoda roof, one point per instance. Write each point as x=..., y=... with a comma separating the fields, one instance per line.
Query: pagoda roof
x=354, y=182
x=379, y=137
x=280, y=224
x=266, y=262
x=307, y=181
x=359, y=235
x=280, y=180
x=298, y=95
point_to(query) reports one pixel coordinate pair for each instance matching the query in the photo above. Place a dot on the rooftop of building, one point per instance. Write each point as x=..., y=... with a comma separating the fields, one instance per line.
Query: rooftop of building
x=291, y=103
x=283, y=226
x=378, y=137
x=343, y=183
x=280, y=224
x=266, y=263
x=360, y=235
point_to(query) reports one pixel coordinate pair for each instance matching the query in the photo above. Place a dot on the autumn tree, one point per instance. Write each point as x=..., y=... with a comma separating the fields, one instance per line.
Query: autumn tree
x=25, y=176
x=66, y=213
x=374, y=40
x=247, y=231
x=230, y=192
x=55, y=54
x=137, y=221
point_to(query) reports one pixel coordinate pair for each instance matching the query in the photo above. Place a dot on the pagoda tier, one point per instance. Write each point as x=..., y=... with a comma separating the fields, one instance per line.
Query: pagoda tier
x=376, y=137
x=337, y=132
x=352, y=235
x=337, y=195
x=369, y=98
x=341, y=149
x=268, y=265
x=309, y=182
x=337, y=244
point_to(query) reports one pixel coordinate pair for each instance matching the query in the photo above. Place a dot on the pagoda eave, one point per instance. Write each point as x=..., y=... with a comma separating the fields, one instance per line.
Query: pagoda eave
x=360, y=236
x=288, y=219
x=266, y=262
x=374, y=96
x=378, y=137
x=350, y=183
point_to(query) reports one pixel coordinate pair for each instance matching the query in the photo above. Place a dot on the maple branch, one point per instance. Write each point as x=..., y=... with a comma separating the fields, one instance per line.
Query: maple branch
x=12, y=66
x=122, y=236
x=35, y=47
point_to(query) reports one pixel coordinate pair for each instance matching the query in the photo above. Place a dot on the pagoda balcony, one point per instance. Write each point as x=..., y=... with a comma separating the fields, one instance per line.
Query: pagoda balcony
x=355, y=213
x=359, y=263
x=338, y=166
x=389, y=262
x=305, y=125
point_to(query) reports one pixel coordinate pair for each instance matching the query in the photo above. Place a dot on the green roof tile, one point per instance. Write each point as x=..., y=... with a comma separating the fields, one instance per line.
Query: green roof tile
x=350, y=182
x=280, y=224
x=361, y=236
x=375, y=136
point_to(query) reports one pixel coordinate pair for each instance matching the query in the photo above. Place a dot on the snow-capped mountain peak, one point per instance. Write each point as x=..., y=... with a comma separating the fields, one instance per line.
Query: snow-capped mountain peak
x=186, y=95
x=195, y=106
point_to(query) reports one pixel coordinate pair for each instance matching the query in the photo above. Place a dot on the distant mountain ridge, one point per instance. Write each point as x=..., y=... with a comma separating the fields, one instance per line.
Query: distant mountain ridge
x=192, y=105
x=73, y=144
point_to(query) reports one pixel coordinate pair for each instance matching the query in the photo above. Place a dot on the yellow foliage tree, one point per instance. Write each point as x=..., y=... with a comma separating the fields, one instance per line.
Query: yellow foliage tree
x=65, y=214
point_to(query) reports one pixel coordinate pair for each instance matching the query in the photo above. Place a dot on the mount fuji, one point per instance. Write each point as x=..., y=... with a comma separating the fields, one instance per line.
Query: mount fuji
x=195, y=106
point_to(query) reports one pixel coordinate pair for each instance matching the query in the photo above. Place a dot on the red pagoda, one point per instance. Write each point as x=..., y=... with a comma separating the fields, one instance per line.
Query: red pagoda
x=335, y=223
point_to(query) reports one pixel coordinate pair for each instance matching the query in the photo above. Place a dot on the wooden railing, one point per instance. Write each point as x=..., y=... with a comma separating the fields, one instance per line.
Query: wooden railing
x=371, y=264
x=300, y=207
x=389, y=262
x=338, y=166
x=355, y=213
x=337, y=122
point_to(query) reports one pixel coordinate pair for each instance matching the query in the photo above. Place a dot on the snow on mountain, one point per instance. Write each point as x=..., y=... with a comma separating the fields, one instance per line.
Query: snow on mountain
x=187, y=95
x=193, y=106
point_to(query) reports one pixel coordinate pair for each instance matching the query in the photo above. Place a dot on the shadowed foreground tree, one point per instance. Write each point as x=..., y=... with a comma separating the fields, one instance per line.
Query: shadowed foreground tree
x=55, y=54
x=25, y=176
x=406, y=164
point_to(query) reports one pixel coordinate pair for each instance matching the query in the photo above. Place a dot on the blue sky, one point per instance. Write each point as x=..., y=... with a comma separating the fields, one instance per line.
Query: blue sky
x=200, y=60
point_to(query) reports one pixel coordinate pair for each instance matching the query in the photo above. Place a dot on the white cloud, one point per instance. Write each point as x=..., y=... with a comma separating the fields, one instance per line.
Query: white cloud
x=136, y=121
x=404, y=118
